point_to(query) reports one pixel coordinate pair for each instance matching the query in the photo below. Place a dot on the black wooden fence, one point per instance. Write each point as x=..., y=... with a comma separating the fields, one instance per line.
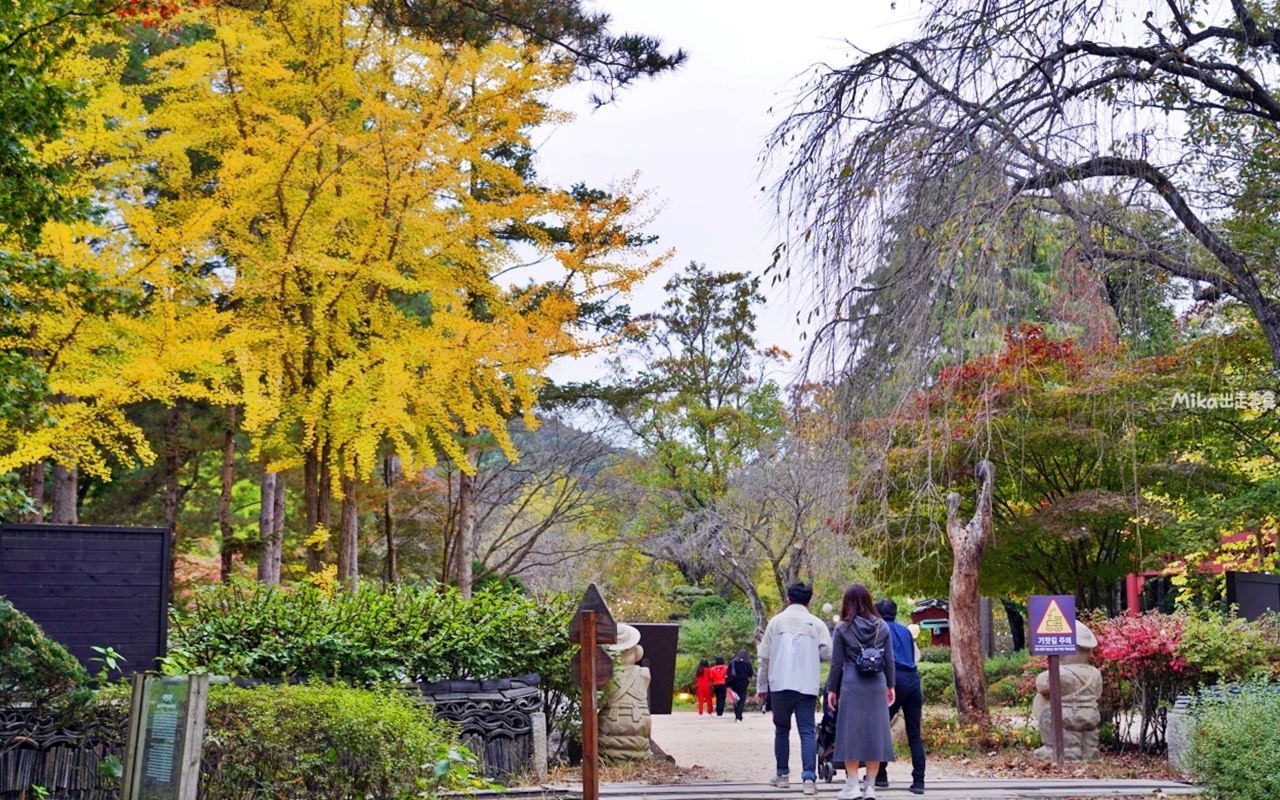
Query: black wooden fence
x=90, y=586
x=1255, y=593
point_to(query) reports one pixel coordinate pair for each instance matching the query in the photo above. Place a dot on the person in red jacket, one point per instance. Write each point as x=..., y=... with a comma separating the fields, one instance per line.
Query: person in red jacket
x=702, y=679
x=718, y=673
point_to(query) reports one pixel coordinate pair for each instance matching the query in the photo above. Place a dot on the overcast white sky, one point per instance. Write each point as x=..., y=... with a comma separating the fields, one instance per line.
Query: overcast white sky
x=696, y=136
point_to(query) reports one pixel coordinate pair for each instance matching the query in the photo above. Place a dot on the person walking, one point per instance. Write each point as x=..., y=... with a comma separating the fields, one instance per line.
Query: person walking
x=702, y=681
x=793, y=645
x=909, y=698
x=739, y=675
x=718, y=674
x=861, y=688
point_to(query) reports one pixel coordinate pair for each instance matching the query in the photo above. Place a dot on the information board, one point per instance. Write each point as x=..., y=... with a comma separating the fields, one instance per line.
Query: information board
x=166, y=731
x=1053, y=625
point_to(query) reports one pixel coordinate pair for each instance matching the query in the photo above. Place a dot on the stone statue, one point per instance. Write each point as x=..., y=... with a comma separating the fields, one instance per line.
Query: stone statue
x=1081, y=690
x=624, y=714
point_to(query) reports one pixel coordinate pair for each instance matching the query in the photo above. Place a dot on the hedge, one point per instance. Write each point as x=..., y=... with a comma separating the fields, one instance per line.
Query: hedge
x=1235, y=744
x=317, y=741
x=396, y=634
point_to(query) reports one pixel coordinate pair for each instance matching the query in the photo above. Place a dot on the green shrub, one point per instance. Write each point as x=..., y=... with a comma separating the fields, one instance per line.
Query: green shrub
x=373, y=635
x=393, y=634
x=319, y=741
x=1235, y=745
x=723, y=636
x=708, y=607
x=1005, y=665
x=36, y=670
x=686, y=672
x=935, y=679
x=1008, y=691
x=1223, y=648
x=935, y=654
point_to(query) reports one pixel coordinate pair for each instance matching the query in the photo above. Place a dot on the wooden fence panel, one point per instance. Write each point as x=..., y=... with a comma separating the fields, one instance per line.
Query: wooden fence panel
x=91, y=586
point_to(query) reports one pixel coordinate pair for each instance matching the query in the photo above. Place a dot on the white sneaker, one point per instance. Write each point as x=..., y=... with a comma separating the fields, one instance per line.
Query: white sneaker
x=781, y=782
x=810, y=787
x=869, y=789
x=851, y=790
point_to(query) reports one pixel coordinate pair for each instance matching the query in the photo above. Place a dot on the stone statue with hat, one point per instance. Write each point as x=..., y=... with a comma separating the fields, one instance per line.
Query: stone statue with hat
x=624, y=715
x=1081, y=691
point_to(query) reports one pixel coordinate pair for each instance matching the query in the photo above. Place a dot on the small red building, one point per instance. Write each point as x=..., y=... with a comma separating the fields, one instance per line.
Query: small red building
x=934, y=615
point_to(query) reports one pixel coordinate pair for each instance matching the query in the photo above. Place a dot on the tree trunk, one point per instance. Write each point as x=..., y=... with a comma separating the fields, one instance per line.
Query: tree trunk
x=324, y=501
x=64, y=510
x=310, y=506
x=35, y=488
x=277, y=518
x=172, y=459
x=268, y=566
x=464, y=549
x=388, y=518
x=968, y=544
x=739, y=577
x=348, y=536
x=1016, y=625
x=224, y=502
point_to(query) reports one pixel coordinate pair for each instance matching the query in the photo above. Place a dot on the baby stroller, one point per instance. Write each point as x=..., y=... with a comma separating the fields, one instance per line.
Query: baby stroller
x=827, y=742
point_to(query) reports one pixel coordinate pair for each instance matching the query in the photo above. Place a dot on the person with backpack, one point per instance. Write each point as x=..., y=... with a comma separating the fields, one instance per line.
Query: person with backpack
x=718, y=675
x=908, y=695
x=739, y=675
x=702, y=681
x=861, y=688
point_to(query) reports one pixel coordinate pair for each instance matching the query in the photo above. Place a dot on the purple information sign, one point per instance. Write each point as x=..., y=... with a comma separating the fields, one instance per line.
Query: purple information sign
x=1053, y=625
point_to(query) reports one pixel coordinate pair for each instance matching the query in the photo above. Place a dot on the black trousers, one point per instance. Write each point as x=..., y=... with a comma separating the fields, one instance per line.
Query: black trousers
x=910, y=699
x=721, y=690
x=740, y=689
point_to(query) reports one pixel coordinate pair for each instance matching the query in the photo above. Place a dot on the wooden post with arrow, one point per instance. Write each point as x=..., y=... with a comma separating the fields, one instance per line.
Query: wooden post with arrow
x=592, y=667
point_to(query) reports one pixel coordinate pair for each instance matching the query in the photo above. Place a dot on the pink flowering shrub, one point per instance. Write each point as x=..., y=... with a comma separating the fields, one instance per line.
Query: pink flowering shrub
x=1143, y=673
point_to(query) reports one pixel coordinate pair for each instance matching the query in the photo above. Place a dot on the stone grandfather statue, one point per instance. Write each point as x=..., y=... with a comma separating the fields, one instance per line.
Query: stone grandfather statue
x=624, y=715
x=1081, y=690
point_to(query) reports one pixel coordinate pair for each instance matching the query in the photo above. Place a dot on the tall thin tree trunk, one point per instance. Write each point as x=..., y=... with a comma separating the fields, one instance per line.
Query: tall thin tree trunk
x=224, y=502
x=464, y=548
x=324, y=499
x=277, y=527
x=64, y=510
x=1016, y=624
x=311, y=503
x=388, y=518
x=35, y=488
x=349, y=535
x=968, y=544
x=268, y=567
x=172, y=459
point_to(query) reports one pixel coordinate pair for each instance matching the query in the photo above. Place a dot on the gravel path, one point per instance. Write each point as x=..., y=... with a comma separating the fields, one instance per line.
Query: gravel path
x=725, y=750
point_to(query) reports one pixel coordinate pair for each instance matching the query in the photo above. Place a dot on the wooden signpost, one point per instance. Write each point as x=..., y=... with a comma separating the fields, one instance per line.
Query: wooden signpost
x=1053, y=634
x=592, y=667
x=166, y=731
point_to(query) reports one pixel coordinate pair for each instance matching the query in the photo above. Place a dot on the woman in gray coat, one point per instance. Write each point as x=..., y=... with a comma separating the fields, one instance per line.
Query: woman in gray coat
x=861, y=699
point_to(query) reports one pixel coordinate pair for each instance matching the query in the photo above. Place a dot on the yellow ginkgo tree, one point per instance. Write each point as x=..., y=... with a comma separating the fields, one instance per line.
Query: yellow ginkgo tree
x=362, y=191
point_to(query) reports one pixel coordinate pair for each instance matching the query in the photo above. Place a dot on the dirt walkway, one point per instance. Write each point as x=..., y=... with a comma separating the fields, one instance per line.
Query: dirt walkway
x=724, y=750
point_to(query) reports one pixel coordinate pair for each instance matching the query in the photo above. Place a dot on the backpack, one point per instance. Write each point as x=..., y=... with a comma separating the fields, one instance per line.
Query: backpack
x=870, y=660
x=732, y=674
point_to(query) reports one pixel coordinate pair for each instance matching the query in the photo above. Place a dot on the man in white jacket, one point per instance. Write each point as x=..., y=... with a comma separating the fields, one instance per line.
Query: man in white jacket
x=795, y=643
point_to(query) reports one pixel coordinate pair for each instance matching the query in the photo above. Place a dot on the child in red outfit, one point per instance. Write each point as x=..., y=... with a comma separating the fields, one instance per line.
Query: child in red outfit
x=702, y=680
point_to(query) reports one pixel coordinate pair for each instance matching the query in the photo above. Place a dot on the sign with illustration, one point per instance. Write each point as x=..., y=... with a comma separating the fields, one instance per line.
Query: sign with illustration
x=1053, y=625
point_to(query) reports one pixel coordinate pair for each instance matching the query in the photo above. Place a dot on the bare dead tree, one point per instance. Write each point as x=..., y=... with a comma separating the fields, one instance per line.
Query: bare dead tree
x=907, y=170
x=968, y=543
x=779, y=509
